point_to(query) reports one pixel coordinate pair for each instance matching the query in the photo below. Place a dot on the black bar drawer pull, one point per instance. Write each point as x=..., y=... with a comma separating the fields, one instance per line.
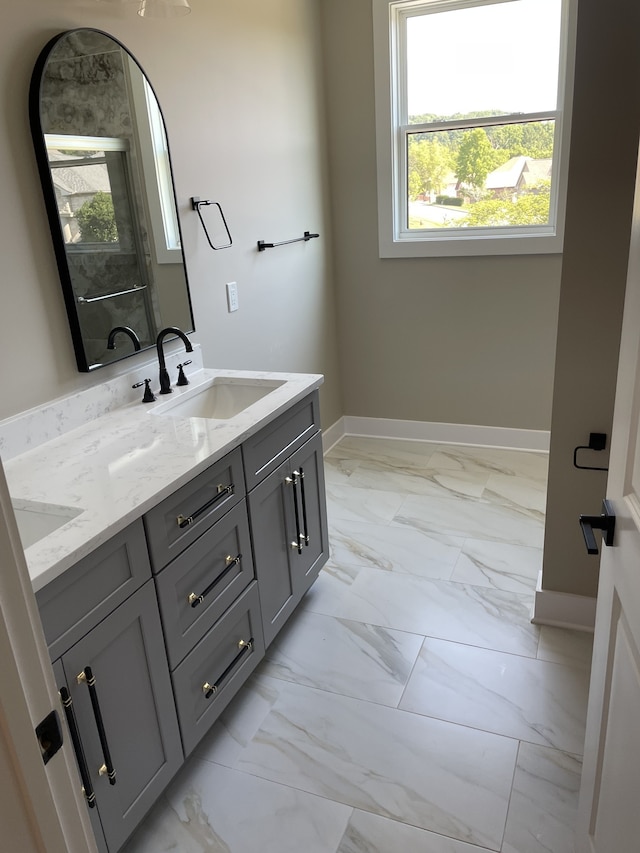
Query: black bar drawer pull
x=606, y=522
x=87, y=787
x=186, y=520
x=194, y=600
x=210, y=689
x=107, y=768
x=296, y=545
x=305, y=526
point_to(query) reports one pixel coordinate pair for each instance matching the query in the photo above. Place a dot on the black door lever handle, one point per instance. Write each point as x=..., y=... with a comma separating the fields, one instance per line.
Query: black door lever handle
x=605, y=522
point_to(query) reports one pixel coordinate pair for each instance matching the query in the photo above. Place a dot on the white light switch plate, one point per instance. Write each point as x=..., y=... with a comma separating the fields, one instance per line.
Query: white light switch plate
x=232, y=296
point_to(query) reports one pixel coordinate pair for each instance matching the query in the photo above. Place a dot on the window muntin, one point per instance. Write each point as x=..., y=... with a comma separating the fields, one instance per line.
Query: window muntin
x=486, y=72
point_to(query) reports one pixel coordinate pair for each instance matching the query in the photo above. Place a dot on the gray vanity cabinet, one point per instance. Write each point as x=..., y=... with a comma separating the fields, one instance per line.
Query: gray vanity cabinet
x=126, y=655
x=289, y=531
x=103, y=614
x=154, y=633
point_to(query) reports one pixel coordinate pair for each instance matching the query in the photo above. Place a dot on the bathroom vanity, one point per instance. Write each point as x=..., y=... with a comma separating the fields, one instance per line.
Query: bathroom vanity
x=188, y=542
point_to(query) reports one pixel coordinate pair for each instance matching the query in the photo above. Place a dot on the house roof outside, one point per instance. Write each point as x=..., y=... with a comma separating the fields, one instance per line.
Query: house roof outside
x=519, y=171
x=537, y=170
x=506, y=176
x=86, y=179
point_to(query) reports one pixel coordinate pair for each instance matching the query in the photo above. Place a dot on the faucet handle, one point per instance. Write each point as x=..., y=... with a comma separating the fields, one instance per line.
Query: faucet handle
x=182, y=379
x=149, y=396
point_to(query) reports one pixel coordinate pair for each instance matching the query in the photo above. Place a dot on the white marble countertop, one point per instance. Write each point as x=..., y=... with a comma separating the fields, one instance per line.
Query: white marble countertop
x=117, y=466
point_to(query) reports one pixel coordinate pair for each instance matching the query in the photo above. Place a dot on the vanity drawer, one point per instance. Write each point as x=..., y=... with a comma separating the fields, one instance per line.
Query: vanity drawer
x=199, y=585
x=209, y=677
x=267, y=449
x=72, y=604
x=185, y=515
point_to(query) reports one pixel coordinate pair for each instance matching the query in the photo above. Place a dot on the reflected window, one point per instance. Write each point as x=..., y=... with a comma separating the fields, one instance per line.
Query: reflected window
x=91, y=186
x=160, y=149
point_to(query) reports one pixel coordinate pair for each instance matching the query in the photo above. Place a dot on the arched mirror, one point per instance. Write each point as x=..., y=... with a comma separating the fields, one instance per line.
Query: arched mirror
x=103, y=157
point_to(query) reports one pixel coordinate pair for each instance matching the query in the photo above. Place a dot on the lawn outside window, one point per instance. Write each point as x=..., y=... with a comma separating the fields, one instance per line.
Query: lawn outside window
x=472, y=125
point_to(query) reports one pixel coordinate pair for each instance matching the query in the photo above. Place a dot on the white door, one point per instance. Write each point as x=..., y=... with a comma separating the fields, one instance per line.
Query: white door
x=41, y=808
x=609, y=811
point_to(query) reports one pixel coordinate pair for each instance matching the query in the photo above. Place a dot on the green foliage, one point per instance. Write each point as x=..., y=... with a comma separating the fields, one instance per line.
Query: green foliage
x=97, y=221
x=429, y=164
x=452, y=201
x=530, y=139
x=473, y=153
x=475, y=158
x=534, y=139
x=532, y=208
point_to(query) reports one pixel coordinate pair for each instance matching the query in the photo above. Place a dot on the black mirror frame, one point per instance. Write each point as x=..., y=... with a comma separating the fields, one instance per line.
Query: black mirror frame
x=51, y=204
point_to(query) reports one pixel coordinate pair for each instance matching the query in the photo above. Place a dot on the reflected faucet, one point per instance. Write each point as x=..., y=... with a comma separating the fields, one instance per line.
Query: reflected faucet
x=127, y=331
x=165, y=382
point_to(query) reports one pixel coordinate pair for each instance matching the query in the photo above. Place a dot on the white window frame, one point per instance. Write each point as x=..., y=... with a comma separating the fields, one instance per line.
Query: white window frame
x=395, y=239
x=155, y=171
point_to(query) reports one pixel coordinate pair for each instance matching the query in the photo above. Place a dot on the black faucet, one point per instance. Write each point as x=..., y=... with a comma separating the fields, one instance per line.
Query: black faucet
x=165, y=382
x=127, y=331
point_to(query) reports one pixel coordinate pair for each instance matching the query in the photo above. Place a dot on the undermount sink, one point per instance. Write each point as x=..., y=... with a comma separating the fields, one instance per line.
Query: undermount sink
x=220, y=399
x=36, y=520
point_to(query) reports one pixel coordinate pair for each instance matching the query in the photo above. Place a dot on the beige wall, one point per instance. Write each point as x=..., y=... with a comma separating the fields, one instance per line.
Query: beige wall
x=467, y=340
x=593, y=278
x=240, y=86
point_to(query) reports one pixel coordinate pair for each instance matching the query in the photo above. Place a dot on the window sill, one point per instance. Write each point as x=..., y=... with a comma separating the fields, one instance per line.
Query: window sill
x=476, y=246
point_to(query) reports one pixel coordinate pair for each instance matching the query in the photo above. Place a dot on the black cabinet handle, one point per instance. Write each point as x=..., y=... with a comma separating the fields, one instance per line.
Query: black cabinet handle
x=186, y=520
x=210, y=689
x=293, y=481
x=87, y=787
x=194, y=600
x=107, y=768
x=305, y=526
x=606, y=522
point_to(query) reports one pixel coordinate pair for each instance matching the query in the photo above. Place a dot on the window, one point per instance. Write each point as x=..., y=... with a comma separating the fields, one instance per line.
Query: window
x=89, y=175
x=472, y=129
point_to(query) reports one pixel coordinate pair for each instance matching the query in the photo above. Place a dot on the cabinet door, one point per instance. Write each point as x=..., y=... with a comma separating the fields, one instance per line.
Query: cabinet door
x=272, y=531
x=308, y=472
x=126, y=655
x=285, y=565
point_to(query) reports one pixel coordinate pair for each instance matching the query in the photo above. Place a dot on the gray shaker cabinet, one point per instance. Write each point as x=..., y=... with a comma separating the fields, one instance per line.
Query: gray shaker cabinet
x=221, y=567
x=103, y=614
x=288, y=518
x=126, y=656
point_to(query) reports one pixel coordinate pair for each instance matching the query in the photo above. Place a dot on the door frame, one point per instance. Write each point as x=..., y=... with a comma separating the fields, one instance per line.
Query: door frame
x=41, y=807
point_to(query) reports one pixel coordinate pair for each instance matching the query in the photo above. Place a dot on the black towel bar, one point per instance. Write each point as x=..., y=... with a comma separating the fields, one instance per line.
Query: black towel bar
x=307, y=236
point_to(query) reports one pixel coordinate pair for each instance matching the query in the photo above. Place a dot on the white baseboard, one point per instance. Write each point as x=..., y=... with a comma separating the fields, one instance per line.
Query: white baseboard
x=332, y=435
x=563, y=609
x=479, y=436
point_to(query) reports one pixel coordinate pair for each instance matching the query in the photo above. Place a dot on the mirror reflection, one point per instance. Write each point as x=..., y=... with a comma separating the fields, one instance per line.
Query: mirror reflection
x=104, y=161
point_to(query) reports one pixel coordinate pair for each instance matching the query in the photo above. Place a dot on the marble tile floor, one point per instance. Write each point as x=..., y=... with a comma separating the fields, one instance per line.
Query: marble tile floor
x=409, y=706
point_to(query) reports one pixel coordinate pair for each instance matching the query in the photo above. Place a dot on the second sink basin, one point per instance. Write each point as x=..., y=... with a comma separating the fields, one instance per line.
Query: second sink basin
x=219, y=399
x=37, y=520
